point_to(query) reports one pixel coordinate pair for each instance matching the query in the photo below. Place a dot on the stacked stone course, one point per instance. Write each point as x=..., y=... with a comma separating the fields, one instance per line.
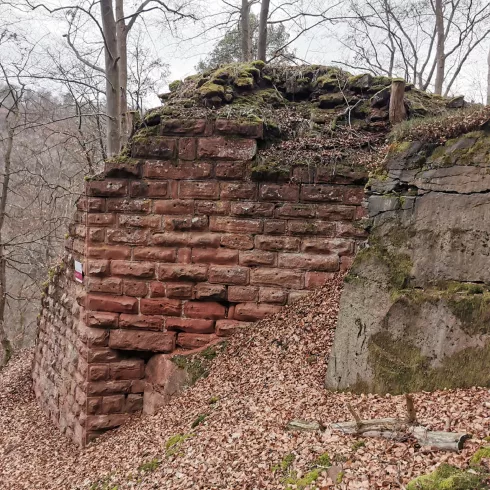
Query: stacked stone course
x=180, y=246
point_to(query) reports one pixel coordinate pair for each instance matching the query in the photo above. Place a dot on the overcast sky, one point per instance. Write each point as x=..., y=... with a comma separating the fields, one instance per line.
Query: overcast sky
x=190, y=42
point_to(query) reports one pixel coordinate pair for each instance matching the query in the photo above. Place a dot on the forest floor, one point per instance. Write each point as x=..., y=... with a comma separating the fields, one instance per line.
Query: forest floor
x=265, y=377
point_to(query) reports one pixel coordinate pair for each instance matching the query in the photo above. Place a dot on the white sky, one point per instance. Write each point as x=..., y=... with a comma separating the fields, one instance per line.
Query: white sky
x=317, y=46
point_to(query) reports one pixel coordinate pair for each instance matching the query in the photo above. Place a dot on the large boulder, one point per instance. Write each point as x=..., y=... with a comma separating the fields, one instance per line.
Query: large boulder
x=415, y=311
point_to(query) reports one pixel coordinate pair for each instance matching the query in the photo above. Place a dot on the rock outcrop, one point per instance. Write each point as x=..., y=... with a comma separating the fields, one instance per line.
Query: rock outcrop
x=415, y=311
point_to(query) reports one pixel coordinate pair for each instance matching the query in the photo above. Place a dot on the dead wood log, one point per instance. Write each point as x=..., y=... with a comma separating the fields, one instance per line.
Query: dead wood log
x=397, y=429
x=397, y=110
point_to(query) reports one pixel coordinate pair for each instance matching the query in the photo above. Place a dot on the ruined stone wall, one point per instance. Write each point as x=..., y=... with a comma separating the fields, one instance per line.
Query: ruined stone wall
x=181, y=244
x=414, y=313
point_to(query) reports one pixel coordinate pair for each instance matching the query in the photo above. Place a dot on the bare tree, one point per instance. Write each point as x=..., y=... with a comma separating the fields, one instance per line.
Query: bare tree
x=113, y=26
x=427, y=43
x=264, y=16
x=245, y=29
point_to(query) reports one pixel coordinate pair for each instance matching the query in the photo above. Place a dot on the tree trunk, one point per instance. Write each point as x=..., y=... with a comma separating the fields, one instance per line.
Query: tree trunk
x=6, y=346
x=245, y=28
x=440, y=57
x=122, y=51
x=112, y=77
x=488, y=77
x=397, y=105
x=262, y=45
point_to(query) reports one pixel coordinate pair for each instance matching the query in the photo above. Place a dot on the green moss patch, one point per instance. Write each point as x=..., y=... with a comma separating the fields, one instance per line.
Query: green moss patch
x=447, y=477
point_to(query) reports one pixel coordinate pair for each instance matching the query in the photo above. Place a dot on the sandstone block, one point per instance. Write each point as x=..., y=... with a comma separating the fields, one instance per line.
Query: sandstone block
x=327, y=263
x=232, y=275
x=277, y=277
x=141, y=340
x=145, y=322
x=98, y=422
x=174, y=206
x=154, y=147
x=227, y=149
x=157, y=254
x=183, y=170
x=135, y=288
x=112, y=404
x=210, y=291
x=210, y=208
x=198, y=190
x=251, y=312
x=214, y=256
x=238, y=190
x=127, y=369
x=209, y=310
x=322, y=193
x=194, y=340
x=257, y=258
x=237, y=242
x=116, y=304
x=190, y=325
x=138, y=221
x=230, y=170
x=148, y=189
x=240, y=294
x=252, y=209
x=279, y=192
x=182, y=290
x=162, y=306
x=129, y=205
x=226, y=328
x=273, y=243
x=109, y=252
x=234, y=225
x=107, y=188
x=111, y=285
x=133, y=269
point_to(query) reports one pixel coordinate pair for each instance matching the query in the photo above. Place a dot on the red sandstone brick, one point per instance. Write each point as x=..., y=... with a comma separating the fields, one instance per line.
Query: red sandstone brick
x=234, y=225
x=218, y=256
x=257, y=257
x=252, y=209
x=185, y=223
x=80, y=231
x=98, y=372
x=190, y=325
x=233, y=275
x=322, y=193
x=296, y=295
x=133, y=269
x=208, y=310
x=99, y=422
x=137, y=386
x=198, y=190
x=129, y=205
x=141, y=340
x=311, y=227
x=210, y=291
x=350, y=230
x=346, y=263
x=144, y=322
x=96, y=235
x=183, y=170
x=279, y=192
x=117, y=304
x=142, y=188
x=181, y=290
x=101, y=219
x=112, y=404
x=182, y=126
x=79, y=246
x=107, y=188
x=238, y=190
x=240, y=294
x=228, y=149
x=328, y=174
x=251, y=312
x=138, y=221
x=210, y=208
x=327, y=263
x=361, y=212
x=174, y=206
x=275, y=227
x=277, y=277
x=91, y=204
x=187, y=148
x=109, y=252
x=279, y=243
x=135, y=288
x=237, y=242
x=194, y=340
x=187, y=239
x=354, y=195
x=335, y=212
x=315, y=280
x=97, y=267
x=182, y=272
x=94, y=336
x=133, y=403
x=102, y=319
x=296, y=211
x=272, y=295
x=158, y=254
x=226, y=328
x=94, y=405
x=154, y=147
x=108, y=387
x=102, y=354
x=157, y=290
x=328, y=246
x=162, y=306
x=184, y=255
x=111, y=285
x=241, y=128
x=132, y=236
x=127, y=369
x=230, y=170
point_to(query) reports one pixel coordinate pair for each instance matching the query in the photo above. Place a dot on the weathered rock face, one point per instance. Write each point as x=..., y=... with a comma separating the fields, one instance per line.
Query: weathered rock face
x=415, y=311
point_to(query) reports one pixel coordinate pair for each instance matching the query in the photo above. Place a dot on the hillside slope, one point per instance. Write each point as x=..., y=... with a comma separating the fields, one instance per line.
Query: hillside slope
x=265, y=377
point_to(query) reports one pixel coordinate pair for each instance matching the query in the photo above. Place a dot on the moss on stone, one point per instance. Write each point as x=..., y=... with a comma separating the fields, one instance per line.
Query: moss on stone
x=173, y=86
x=244, y=82
x=210, y=89
x=399, y=366
x=447, y=477
x=482, y=453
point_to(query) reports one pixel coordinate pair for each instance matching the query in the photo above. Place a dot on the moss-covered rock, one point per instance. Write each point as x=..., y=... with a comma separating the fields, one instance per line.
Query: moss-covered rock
x=447, y=477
